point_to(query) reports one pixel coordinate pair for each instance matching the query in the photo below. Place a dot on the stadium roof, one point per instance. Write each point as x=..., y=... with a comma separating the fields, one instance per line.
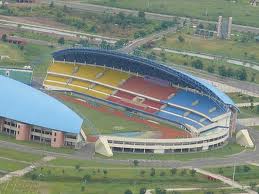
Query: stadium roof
x=27, y=105
x=83, y=55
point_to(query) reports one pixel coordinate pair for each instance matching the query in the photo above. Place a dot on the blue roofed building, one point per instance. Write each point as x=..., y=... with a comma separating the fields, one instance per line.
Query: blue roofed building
x=29, y=114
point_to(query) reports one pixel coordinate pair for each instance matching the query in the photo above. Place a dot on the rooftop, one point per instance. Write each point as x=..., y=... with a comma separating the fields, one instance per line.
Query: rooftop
x=25, y=104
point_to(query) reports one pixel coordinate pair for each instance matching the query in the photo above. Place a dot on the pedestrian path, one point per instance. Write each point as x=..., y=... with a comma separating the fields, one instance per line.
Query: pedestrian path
x=22, y=172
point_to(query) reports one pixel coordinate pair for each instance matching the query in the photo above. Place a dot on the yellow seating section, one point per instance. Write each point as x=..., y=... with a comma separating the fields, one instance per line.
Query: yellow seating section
x=88, y=72
x=103, y=89
x=81, y=83
x=113, y=77
x=88, y=92
x=63, y=68
x=50, y=78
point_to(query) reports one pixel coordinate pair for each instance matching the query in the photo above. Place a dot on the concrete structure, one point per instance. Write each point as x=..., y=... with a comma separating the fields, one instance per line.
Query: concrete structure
x=102, y=147
x=28, y=114
x=243, y=138
x=224, y=28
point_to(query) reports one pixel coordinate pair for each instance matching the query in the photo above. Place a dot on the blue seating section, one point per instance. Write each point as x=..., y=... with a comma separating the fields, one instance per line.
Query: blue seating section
x=186, y=98
x=178, y=119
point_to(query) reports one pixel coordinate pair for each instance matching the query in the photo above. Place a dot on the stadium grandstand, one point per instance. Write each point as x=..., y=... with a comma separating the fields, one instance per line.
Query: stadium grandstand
x=23, y=75
x=149, y=88
x=31, y=115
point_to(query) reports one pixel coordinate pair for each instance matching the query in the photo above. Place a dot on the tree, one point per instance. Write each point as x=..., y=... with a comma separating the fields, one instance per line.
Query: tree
x=173, y=171
x=135, y=162
x=142, y=172
x=4, y=37
x=211, y=69
x=51, y=5
x=142, y=190
x=34, y=176
x=128, y=191
x=77, y=167
x=82, y=188
x=105, y=172
x=197, y=64
x=63, y=171
x=252, y=185
x=183, y=172
x=222, y=70
x=160, y=191
x=193, y=172
x=221, y=171
x=61, y=40
x=241, y=74
x=162, y=173
x=141, y=14
x=181, y=38
x=152, y=172
x=246, y=168
x=257, y=109
x=87, y=178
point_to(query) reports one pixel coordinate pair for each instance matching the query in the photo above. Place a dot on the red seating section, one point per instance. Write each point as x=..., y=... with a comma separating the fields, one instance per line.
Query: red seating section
x=127, y=100
x=147, y=88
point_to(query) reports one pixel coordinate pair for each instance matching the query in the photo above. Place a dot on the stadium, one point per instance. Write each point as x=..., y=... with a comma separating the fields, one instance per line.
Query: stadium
x=156, y=92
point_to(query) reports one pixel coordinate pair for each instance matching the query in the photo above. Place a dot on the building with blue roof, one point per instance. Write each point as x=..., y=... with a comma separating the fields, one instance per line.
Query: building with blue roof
x=29, y=114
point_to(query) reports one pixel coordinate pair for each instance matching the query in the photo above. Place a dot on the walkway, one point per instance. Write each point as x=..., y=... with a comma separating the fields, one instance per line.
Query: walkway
x=22, y=172
x=211, y=57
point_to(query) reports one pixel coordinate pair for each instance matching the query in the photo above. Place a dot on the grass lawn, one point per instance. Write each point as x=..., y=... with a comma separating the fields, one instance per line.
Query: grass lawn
x=18, y=155
x=256, y=127
x=219, y=153
x=241, y=175
x=37, y=56
x=226, y=48
x=241, y=11
x=185, y=62
x=241, y=98
x=116, y=181
x=9, y=166
x=246, y=112
x=85, y=163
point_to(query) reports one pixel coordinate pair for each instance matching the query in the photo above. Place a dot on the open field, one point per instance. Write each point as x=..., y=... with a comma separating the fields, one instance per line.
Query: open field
x=226, y=48
x=37, y=56
x=244, y=174
x=115, y=181
x=17, y=155
x=108, y=123
x=9, y=166
x=241, y=98
x=241, y=11
x=218, y=153
x=119, y=26
x=211, y=66
x=247, y=112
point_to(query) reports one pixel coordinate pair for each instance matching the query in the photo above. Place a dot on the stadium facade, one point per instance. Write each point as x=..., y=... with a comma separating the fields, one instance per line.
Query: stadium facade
x=148, y=88
x=29, y=114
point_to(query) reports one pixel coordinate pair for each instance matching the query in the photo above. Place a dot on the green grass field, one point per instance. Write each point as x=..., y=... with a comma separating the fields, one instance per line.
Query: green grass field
x=241, y=98
x=241, y=11
x=218, y=153
x=241, y=175
x=225, y=48
x=116, y=181
x=247, y=112
x=106, y=123
x=18, y=155
x=37, y=56
x=9, y=166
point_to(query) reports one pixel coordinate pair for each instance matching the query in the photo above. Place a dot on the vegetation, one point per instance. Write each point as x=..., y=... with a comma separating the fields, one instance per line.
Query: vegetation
x=106, y=123
x=124, y=26
x=242, y=98
x=241, y=10
x=244, y=174
x=248, y=112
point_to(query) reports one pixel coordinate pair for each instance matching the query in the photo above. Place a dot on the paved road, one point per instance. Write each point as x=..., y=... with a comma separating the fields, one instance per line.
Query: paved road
x=105, y=9
x=247, y=104
x=141, y=41
x=241, y=158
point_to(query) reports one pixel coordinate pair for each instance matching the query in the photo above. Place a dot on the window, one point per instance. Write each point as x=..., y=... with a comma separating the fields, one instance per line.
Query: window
x=54, y=139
